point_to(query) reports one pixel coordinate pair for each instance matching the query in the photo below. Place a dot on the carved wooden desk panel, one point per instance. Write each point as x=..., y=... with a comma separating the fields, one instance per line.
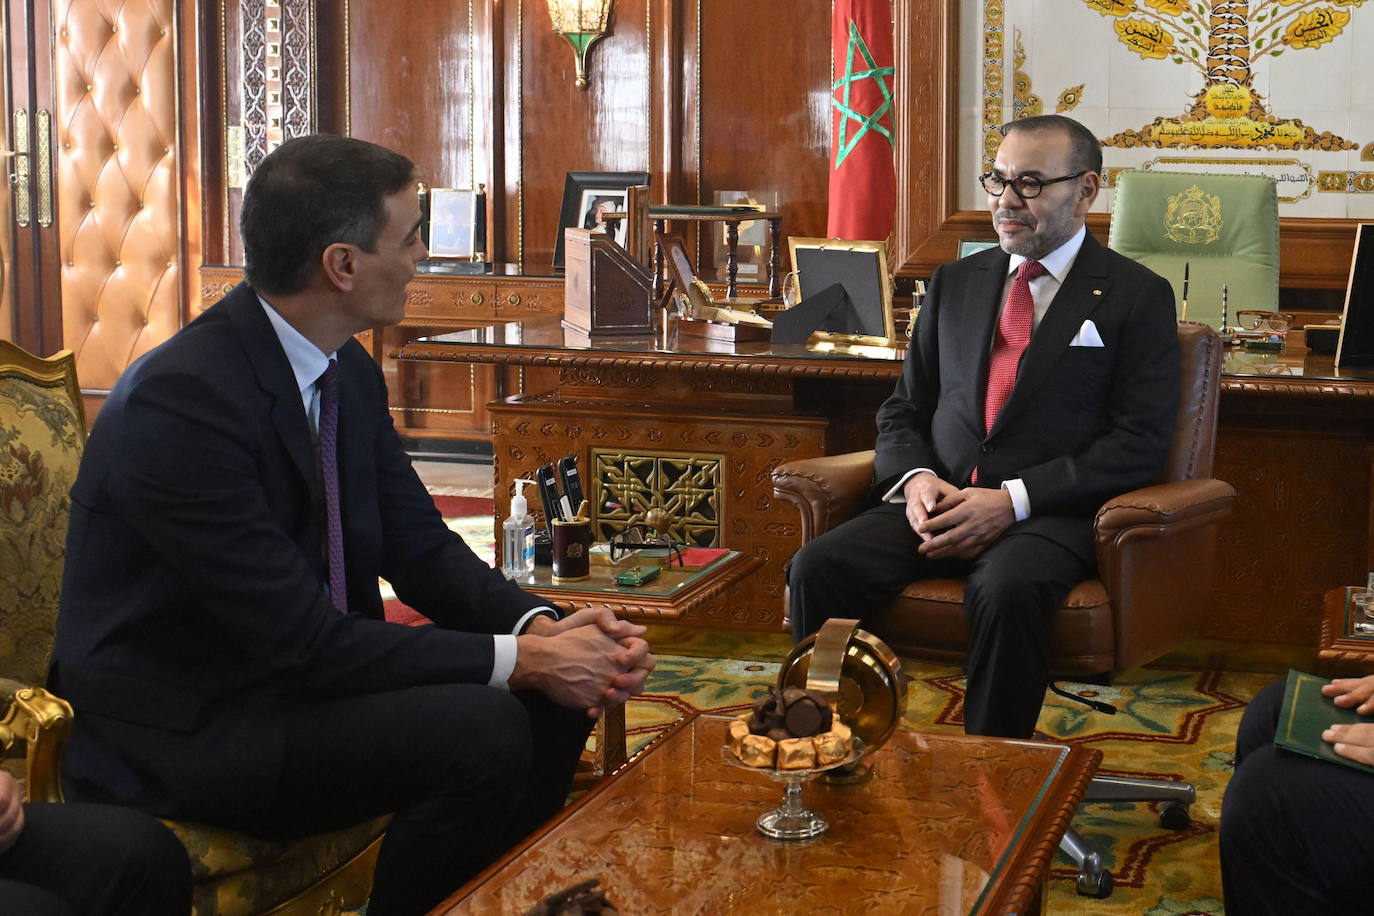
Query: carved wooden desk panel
x=1295, y=442
x=949, y=824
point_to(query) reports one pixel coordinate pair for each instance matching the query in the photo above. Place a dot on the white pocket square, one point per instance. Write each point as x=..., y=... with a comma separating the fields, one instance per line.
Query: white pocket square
x=1087, y=336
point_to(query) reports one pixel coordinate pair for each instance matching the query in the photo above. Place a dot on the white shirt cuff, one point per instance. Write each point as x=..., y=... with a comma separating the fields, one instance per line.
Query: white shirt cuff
x=503, y=656
x=1020, y=499
x=895, y=495
x=503, y=661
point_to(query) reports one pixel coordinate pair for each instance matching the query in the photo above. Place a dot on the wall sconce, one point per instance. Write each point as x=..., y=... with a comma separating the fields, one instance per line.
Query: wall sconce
x=581, y=22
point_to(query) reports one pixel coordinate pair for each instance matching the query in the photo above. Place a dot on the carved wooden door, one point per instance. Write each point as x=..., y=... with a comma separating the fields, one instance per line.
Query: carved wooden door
x=30, y=303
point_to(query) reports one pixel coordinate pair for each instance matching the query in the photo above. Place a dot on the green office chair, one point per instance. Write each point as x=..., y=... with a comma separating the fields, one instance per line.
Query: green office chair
x=1223, y=229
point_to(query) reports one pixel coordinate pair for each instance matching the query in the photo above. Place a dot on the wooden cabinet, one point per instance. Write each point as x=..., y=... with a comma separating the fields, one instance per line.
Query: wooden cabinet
x=445, y=401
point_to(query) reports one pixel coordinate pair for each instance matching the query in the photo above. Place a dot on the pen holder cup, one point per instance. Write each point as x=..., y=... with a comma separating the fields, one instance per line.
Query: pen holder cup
x=572, y=546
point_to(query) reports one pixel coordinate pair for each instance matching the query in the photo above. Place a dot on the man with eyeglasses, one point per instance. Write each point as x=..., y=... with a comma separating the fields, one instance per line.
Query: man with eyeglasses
x=1041, y=381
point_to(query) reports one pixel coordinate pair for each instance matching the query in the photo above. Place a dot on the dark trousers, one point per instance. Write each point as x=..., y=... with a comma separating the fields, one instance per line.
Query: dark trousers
x=94, y=860
x=1295, y=831
x=1013, y=589
x=467, y=770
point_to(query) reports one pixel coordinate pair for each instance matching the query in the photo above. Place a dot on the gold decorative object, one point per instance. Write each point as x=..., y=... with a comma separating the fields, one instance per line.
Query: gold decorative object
x=582, y=23
x=688, y=488
x=859, y=670
x=1193, y=217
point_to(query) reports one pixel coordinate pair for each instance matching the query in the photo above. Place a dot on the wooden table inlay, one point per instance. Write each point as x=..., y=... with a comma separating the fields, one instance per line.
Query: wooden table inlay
x=949, y=823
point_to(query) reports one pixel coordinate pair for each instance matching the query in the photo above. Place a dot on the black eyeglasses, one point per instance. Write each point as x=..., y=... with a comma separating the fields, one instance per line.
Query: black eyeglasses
x=637, y=536
x=1025, y=186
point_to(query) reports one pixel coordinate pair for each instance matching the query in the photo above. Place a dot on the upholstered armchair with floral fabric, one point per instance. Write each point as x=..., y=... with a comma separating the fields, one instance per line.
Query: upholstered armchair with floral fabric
x=42, y=433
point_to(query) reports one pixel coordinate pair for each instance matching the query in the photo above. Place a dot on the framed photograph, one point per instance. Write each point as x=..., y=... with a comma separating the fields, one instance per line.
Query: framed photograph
x=973, y=246
x=588, y=196
x=452, y=222
x=1355, y=347
x=861, y=269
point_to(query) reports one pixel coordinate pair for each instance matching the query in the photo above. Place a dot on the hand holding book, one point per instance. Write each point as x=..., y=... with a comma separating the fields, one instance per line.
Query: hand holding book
x=1328, y=720
x=1354, y=741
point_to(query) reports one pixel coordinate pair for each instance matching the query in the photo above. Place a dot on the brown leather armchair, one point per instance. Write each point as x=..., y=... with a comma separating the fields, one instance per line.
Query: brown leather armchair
x=1155, y=553
x=42, y=435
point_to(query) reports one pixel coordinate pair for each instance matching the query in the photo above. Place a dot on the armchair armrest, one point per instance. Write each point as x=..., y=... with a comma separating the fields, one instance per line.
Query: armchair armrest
x=1180, y=505
x=43, y=722
x=1156, y=555
x=826, y=491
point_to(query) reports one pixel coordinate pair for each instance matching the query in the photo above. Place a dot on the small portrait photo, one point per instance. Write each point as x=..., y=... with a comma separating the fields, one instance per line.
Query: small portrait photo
x=596, y=203
x=452, y=218
x=588, y=197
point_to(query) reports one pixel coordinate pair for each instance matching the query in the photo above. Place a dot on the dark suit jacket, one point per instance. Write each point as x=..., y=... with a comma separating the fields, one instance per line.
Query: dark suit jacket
x=1083, y=424
x=193, y=598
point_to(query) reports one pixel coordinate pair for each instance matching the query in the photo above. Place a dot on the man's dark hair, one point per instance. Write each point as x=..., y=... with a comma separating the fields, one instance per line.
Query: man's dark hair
x=1087, y=152
x=308, y=194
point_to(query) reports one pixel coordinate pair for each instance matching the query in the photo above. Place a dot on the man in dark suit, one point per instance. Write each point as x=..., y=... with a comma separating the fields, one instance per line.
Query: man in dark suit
x=221, y=633
x=1041, y=381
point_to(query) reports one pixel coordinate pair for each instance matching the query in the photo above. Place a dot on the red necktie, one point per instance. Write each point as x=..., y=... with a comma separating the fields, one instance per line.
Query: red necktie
x=329, y=471
x=1013, y=334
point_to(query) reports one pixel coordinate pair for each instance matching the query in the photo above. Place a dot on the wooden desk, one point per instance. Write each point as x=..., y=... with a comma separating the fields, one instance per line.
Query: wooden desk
x=948, y=823
x=696, y=430
x=1295, y=440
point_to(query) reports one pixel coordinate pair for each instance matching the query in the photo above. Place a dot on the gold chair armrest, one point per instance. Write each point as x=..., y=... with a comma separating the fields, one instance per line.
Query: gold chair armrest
x=43, y=722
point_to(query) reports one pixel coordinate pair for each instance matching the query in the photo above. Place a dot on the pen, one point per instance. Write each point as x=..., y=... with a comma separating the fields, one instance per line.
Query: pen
x=1223, y=310
x=1186, y=265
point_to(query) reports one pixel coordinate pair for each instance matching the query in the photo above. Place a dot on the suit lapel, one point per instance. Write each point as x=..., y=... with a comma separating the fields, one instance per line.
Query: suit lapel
x=275, y=377
x=1082, y=291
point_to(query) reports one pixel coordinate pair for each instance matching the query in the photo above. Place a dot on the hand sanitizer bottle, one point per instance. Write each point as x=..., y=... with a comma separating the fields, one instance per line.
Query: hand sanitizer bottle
x=517, y=535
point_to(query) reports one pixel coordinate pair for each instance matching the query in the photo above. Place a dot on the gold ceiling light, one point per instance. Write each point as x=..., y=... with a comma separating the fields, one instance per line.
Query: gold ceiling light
x=581, y=22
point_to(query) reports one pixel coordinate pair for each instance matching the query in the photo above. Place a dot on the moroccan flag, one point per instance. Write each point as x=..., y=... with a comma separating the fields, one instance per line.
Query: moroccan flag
x=863, y=182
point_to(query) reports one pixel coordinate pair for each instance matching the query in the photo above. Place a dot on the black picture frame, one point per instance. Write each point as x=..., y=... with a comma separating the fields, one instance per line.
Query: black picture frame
x=860, y=267
x=583, y=192
x=1356, y=344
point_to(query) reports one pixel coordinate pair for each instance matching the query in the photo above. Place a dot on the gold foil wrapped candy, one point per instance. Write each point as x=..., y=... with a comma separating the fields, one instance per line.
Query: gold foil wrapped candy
x=830, y=748
x=796, y=754
x=757, y=751
x=739, y=728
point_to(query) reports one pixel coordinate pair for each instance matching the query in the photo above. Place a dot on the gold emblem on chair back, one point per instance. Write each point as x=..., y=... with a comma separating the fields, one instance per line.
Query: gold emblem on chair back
x=1193, y=217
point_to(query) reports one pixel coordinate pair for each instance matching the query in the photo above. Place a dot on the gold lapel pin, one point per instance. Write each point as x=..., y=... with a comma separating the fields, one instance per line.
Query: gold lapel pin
x=1097, y=292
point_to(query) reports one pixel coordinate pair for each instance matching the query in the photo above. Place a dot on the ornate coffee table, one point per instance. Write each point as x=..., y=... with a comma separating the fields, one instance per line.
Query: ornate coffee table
x=952, y=823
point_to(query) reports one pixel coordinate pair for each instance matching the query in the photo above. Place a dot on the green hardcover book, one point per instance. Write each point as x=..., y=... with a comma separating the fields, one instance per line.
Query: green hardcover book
x=1306, y=713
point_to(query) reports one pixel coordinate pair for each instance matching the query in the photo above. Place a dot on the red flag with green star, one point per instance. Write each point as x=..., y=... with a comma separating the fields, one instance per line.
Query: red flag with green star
x=863, y=182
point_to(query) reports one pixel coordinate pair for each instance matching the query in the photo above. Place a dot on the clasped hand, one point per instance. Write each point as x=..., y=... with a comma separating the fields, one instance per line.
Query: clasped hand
x=588, y=660
x=955, y=523
x=1353, y=741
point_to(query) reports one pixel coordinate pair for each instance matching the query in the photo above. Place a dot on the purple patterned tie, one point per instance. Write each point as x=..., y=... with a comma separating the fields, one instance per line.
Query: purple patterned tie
x=329, y=470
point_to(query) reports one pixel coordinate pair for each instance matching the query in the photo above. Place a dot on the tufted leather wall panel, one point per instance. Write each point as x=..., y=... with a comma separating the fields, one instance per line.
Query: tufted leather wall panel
x=115, y=81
